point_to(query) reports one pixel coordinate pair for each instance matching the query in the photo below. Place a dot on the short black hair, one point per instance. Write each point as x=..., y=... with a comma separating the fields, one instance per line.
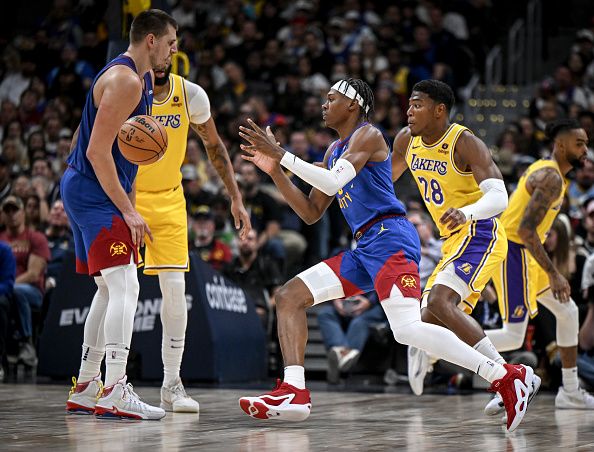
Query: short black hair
x=151, y=21
x=437, y=91
x=366, y=93
x=553, y=129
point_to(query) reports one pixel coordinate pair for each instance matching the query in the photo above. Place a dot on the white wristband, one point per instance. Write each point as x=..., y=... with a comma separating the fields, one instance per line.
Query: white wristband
x=493, y=201
x=327, y=181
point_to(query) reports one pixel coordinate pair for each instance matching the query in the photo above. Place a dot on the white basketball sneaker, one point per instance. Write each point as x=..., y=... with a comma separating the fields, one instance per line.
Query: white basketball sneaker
x=418, y=366
x=495, y=405
x=82, y=397
x=174, y=398
x=574, y=400
x=121, y=402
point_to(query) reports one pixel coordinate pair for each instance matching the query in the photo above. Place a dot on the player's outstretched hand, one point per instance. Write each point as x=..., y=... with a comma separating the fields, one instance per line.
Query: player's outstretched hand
x=241, y=218
x=138, y=227
x=261, y=160
x=261, y=141
x=452, y=218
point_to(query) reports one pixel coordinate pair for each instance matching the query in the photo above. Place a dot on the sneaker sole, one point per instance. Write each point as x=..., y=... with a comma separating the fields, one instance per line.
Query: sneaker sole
x=184, y=409
x=115, y=414
x=520, y=414
x=259, y=410
x=75, y=408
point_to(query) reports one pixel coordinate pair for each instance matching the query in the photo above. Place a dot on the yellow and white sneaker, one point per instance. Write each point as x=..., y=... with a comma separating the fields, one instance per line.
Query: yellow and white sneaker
x=83, y=397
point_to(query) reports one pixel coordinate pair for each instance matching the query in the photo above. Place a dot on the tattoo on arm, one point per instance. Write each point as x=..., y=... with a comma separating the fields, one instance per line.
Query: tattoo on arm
x=546, y=185
x=219, y=157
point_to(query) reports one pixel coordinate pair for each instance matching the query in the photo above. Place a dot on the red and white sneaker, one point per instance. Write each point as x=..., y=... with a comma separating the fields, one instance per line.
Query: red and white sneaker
x=83, y=397
x=284, y=402
x=514, y=389
x=121, y=402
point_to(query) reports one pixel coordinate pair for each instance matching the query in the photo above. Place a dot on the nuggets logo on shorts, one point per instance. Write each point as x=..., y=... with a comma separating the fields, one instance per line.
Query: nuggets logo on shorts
x=118, y=248
x=518, y=312
x=466, y=268
x=408, y=281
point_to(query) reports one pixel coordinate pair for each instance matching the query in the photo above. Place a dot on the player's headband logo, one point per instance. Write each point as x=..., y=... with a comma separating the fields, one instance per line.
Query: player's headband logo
x=344, y=87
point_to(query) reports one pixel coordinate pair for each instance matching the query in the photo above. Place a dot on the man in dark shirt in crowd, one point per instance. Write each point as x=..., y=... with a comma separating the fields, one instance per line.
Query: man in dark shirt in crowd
x=32, y=253
x=256, y=274
x=265, y=213
x=203, y=241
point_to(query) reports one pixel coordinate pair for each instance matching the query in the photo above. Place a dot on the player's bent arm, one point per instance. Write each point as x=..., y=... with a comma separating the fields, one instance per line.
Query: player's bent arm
x=476, y=155
x=366, y=144
x=218, y=155
x=121, y=93
x=309, y=208
x=399, y=165
x=546, y=185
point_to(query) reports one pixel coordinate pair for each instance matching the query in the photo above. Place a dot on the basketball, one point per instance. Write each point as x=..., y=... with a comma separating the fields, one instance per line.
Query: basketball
x=142, y=140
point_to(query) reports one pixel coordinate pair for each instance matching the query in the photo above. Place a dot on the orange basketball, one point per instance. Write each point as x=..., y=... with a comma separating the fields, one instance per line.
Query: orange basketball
x=142, y=140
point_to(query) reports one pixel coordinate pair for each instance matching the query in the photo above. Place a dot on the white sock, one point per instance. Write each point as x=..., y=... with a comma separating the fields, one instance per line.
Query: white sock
x=570, y=379
x=90, y=364
x=491, y=370
x=295, y=375
x=172, y=349
x=116, y=357
x=486, y=347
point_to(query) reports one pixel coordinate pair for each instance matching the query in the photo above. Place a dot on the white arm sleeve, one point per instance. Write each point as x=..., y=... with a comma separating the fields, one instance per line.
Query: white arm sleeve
x=493, y=201
x=198, y=103
x=327, y=181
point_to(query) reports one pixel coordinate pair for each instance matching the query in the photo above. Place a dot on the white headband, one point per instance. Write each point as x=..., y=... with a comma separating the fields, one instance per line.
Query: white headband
x=344, y=87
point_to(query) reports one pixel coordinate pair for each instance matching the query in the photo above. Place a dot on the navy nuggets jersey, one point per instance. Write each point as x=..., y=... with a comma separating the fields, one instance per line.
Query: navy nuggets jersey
x=78, y=158
x=370, y=194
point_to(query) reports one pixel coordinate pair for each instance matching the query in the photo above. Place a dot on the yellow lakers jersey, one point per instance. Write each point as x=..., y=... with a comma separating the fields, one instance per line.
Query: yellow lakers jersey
x=174, y=115
x=441, y=183
x=518, y=201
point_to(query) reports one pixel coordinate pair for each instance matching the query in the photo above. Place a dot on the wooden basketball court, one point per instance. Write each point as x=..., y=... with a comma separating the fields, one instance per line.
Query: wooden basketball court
x=32, y=418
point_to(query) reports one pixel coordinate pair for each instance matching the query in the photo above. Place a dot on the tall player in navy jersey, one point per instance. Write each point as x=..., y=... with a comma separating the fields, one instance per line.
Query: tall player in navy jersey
x=358, y=173
x=99, y=198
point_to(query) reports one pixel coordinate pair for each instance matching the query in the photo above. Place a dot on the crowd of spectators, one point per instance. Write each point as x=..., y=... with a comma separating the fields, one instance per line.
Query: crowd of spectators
x=273, y=62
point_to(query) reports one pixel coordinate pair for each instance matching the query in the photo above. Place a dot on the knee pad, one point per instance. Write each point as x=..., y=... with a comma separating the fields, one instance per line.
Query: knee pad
x=567, y=324
x=403, y=314
x=515, y=332
x=122, y=279
x=173, y=289
x=101, y=287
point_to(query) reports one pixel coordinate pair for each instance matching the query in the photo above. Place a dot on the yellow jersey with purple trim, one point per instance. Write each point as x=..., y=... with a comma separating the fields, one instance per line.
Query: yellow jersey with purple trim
x=518, y=202
x=441, y=183
x=173, y=113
